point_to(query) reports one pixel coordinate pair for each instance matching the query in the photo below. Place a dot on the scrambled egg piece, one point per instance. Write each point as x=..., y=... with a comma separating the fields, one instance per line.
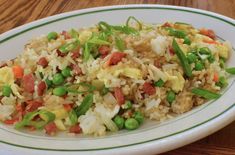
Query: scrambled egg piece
x=223, y=51
x=177, y=81
x=7, y=78
x=133, y=73
x=84, y=36
x=59, y=124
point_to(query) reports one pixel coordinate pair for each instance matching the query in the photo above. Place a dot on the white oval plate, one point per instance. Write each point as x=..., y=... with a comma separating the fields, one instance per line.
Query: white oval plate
x=151, y=137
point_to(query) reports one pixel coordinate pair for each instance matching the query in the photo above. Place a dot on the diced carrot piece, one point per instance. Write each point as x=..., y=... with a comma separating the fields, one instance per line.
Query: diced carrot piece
x=18, y=72
x=67, y=107
x=208, y=33
x=216, y=77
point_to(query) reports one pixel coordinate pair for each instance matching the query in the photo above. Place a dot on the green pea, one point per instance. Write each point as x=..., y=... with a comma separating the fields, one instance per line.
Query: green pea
x=48, y=82
x=127, y=105
x=222, y=82
x=191, y=57
x=66, y=72
x=131, y=124
x=59, y=91
x=139, y=117
x=170, y=96
x=104, y=91
x=159, y=83
x=58, y=79
x=119, y=121
x=187, y=41
x=199, y=66
x=6, y=91
x=52, y=35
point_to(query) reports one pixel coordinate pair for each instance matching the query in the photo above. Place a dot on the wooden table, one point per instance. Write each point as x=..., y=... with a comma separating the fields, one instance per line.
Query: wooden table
x=15, y=13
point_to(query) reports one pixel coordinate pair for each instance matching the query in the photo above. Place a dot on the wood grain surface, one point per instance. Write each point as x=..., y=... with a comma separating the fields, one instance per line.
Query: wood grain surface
x=18, y=12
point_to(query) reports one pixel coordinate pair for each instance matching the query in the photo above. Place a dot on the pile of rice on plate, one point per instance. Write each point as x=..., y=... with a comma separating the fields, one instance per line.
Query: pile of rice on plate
x=112, y=77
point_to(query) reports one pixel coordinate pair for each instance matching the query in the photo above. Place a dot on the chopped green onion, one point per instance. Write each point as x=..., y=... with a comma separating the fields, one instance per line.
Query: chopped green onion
x=159, y=83
x=6, y=91
x=46, y=117
x=69, y=47
x=109, y=28
x=73, y=117
x=85, y=105
x=136, y=20
x=74, y=88
x=230, y=70
x=96, y=40
x=222, y=62
x=176, y=33
x=74, y=34
x=183, y=60
x=120, y=44
x=87, y=52
x=182, y=23
x=205, y=93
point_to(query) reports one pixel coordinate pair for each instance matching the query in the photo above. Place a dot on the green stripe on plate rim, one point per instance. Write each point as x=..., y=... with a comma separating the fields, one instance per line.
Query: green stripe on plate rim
x=113, y=9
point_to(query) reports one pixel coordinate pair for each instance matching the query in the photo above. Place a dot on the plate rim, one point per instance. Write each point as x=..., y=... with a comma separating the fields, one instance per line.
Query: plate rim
x=44, y=21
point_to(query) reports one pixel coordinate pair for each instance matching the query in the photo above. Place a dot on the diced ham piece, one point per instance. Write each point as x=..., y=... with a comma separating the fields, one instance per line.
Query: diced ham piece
x=104, y=50
x=60, y=54
x=149, y=89
x=43, y=62
x=28, y=83
x=50, y=128
x=115, y=58
x=75, y=129
x=41, y=87
x=75, y=54
x=119, y=96
x=32, y=105
x=76, y=70
x=66, y=35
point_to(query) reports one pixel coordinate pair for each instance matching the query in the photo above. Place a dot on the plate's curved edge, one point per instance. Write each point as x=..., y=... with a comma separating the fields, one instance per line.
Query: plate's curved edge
x=47, y=20
x=231, y=21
